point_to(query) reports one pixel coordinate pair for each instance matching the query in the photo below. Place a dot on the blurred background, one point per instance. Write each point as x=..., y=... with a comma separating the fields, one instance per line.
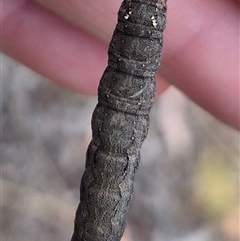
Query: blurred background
x=186, y=188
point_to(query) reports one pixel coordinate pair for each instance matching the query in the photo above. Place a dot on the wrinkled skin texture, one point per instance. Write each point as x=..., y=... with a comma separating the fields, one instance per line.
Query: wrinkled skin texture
x=65, y=42
x=120, y=121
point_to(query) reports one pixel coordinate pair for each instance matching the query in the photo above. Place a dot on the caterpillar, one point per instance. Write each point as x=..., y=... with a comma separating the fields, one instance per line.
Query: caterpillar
x=120, y=121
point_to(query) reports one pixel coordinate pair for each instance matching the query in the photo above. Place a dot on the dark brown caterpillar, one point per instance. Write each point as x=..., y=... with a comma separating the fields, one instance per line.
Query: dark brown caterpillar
x=120, y=121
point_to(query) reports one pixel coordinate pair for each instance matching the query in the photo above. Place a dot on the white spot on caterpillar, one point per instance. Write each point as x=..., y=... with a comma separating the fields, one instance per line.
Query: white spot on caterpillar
x=154, y=24
x=128, y=15
x=154, y=21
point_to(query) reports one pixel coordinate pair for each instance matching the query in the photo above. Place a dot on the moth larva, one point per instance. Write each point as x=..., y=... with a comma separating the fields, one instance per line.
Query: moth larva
x=120, y=121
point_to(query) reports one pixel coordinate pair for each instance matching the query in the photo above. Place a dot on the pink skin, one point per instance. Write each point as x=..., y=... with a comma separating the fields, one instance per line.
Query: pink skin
x=68, y=44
